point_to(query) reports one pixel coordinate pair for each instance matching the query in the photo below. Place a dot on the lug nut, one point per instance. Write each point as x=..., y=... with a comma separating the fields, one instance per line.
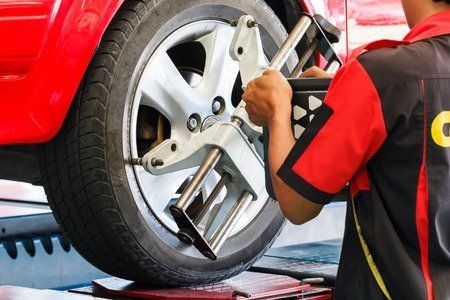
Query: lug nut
x=218, y=105
x=192, y=123
x=156, y=162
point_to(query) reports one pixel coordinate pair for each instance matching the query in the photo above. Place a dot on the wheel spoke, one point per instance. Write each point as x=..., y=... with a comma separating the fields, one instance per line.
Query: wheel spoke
x=166, y=184
x=163, y=88
x=220, y=69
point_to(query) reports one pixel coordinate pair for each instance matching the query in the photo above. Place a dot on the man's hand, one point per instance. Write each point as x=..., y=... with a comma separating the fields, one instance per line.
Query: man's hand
x=315, y=72
x=268, y=98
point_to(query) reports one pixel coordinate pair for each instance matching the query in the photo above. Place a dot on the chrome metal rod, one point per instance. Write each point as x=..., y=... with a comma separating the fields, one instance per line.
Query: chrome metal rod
x=210, y=200
x=332, y=67
x=203, y=171
x=194, y=185
x=304, y=59
x=291, y=43
x=230, y=221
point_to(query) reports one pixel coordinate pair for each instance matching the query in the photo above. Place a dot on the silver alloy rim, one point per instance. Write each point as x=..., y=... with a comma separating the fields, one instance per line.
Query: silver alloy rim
x=162, y=87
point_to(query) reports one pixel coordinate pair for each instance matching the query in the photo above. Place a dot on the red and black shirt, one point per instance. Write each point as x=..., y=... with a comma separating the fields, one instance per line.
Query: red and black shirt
x=385, y=128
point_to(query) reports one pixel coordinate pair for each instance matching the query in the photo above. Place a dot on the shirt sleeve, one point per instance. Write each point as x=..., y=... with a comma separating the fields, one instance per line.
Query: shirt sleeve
x=344, y=134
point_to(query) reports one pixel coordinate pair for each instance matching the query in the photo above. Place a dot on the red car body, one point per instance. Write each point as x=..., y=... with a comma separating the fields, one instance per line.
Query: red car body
x=47, y=45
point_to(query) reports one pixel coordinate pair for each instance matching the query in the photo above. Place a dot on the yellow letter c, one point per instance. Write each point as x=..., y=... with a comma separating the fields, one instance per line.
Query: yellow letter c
x=437, y=129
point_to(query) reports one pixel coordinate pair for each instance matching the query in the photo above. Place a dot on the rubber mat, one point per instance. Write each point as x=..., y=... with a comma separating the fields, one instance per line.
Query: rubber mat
x=312, y=260
x=247, y=285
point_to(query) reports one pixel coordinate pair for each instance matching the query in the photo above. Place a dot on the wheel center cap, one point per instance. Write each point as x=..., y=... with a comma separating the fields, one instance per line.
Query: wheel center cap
x=208, y=122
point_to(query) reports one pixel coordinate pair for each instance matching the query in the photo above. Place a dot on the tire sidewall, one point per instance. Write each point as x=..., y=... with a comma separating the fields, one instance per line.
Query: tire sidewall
x=155, y=239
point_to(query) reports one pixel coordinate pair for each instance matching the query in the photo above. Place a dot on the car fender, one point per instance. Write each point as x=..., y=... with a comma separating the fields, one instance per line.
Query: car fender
x=49, y=46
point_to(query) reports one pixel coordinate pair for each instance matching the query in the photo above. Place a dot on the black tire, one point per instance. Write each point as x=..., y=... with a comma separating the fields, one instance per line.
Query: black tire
x=85, y=173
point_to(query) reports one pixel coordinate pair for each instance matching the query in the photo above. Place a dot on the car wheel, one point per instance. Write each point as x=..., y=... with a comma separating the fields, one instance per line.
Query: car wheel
x=162, y=70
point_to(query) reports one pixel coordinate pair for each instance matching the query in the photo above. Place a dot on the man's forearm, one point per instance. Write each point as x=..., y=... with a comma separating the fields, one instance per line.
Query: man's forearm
x=295, y=207
x=268, y=103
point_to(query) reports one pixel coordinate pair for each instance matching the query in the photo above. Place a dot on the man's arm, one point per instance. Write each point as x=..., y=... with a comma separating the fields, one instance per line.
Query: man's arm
x=277, y=116
x=295, y=207
x=344, y=134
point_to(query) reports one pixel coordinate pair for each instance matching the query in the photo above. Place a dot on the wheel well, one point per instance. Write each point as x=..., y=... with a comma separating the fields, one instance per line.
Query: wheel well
x=20, y=163
x=288, y=11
